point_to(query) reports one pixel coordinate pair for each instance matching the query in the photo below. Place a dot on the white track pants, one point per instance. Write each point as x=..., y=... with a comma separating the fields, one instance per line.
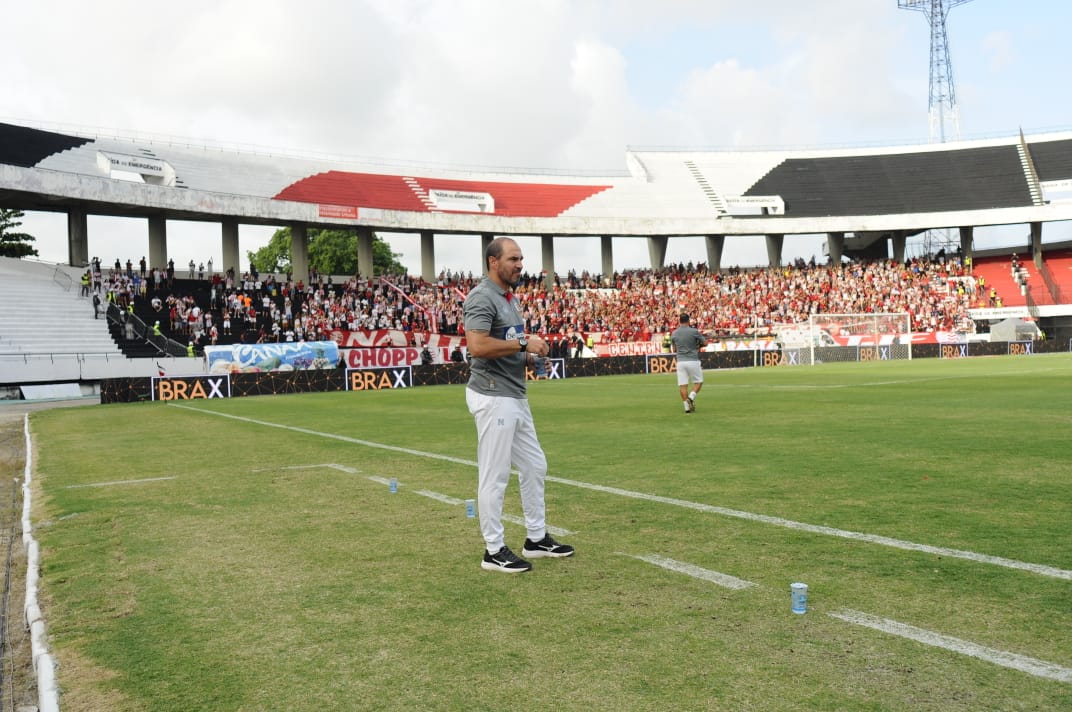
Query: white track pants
x=506, y=435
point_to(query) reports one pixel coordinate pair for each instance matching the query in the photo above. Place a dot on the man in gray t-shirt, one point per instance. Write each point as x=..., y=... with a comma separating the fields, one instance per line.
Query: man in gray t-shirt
x=495, y=395
x=687, y=343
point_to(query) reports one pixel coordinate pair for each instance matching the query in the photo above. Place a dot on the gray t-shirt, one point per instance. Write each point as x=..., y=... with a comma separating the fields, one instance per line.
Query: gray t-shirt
x=489, y=308
x=687, y=342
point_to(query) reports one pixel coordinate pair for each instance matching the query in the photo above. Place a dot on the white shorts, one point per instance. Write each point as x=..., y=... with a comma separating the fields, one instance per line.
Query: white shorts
x=689, y=371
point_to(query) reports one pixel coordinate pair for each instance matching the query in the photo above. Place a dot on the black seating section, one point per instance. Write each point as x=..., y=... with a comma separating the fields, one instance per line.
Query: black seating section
x=1053, y=159
x=26, y=147
x=932, y=181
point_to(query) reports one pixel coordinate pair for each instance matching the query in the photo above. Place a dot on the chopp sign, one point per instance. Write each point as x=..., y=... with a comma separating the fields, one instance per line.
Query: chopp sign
x=191, y=388
x=379, y=379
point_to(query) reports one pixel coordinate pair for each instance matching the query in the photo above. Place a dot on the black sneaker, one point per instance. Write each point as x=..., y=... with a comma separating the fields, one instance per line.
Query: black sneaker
x=692, y=405
x=506, y=561
x=546, y=547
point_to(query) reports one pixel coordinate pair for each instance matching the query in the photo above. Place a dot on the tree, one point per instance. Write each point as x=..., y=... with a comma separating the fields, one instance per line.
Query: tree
x=330, y=252
x=14, y=244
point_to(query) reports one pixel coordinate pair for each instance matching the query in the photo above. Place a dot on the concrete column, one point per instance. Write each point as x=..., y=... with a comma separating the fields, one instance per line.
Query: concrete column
x=158, y=255
x=966, y=239
x=485, y=240
x=898, y=240
x=714, y=244
x=229, y=243
x=657, y=251
x=299, y=252
x=1036, y=244
x=606, y=252
x=428, y=270
x=774, y=250
x=77, y=237
x=365, y=266
x=835, y=247
x=547, y=256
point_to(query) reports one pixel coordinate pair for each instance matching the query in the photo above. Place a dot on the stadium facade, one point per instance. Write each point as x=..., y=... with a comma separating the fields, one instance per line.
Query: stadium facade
x=865, y=200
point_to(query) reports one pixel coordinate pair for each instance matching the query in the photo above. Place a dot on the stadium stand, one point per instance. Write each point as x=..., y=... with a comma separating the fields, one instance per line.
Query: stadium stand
x=932, y=181
x=1057, y=271
x=411, y=193
x=998, y=276
x=41, y=312
x=1052, y=159
x=23, y=146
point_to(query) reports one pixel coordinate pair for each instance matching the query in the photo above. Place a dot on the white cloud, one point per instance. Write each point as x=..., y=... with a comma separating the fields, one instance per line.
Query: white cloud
x=999, y=51
x=538, y=84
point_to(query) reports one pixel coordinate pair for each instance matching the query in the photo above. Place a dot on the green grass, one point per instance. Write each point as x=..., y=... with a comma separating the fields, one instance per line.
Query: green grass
x=254, y=580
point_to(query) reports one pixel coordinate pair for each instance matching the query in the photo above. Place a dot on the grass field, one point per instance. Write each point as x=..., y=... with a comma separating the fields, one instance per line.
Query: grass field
x=246, y=554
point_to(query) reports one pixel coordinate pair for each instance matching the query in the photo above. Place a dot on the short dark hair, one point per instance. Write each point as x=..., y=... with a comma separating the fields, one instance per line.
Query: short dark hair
x=684, y=318
x=494, y=249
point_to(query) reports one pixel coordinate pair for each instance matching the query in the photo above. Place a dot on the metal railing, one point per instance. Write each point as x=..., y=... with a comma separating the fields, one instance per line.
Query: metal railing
x=60, y=277
x=164, y=345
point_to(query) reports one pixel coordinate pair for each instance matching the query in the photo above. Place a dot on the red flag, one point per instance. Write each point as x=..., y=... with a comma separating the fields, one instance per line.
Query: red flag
x=404, y=295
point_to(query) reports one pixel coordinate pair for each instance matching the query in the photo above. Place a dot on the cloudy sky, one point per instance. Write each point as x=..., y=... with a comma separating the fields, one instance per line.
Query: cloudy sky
x=547, y=84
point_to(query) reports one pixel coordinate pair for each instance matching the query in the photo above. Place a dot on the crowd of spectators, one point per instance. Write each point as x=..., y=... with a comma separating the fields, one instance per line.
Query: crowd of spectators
x=634, y=305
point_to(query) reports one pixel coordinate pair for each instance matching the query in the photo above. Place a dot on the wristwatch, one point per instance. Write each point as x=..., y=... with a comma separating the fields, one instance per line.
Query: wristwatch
x=524, y=343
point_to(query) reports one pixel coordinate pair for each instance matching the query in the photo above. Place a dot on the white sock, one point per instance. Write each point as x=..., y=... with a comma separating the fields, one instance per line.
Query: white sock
x=692, y=396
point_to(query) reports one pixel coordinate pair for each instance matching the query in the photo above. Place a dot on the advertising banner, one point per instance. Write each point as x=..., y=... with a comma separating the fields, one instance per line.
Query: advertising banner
x=389, y=356
x=254, y=358
x=190, y=388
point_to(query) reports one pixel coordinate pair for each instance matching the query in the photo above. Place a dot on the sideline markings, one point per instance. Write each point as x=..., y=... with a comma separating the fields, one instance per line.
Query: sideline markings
x=332, y=465
x=724, y=580
x=1015, y=661
x=1022, y=663
x=1040, y=569
x=447, y=499
x=120, y=482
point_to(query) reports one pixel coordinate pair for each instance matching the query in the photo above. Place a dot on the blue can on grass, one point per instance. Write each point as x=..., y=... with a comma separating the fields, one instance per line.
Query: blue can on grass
x=392, y=486
x=799, y=593
x=470, y=508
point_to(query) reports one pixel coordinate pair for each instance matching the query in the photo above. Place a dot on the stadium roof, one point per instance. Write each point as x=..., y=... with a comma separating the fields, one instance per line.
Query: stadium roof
x=665, y=192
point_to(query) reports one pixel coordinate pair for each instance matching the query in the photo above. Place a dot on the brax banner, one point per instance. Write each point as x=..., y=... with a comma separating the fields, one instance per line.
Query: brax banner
x=663, y=363
x=191, y=388
x=379, y=379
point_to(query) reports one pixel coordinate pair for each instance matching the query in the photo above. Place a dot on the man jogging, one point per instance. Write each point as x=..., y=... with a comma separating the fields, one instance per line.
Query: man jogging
x=687, y=343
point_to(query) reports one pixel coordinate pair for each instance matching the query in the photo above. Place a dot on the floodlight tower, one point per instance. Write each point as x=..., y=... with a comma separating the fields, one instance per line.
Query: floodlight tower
x=942, y=99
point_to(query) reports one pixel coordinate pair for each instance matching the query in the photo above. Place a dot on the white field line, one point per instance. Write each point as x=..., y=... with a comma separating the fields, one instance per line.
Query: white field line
x=1015, y=661
x=1031, y=666
x=332, y=465
x=120, y=482
x=681, y=567
x=447, y=499
x=897, y=382
x=557, y=531
x=1040, y=569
